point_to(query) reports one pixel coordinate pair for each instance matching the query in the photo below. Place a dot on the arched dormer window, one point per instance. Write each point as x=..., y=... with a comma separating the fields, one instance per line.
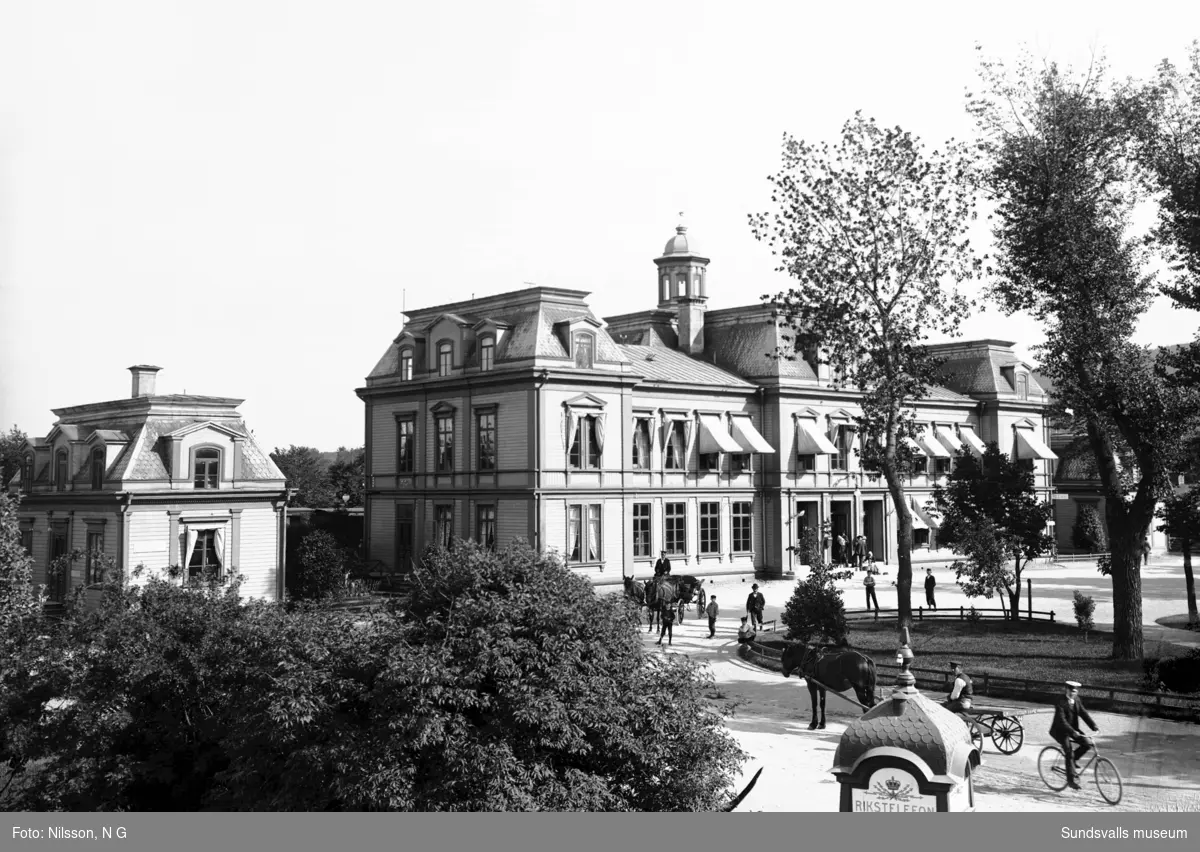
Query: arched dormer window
x=406, y=365
x=206, y=467
x=584, y=346
x=27, y=474
x=487, y=353
x=97, y=468
x=1022, y=386
x=60, y=470
x=445, y=358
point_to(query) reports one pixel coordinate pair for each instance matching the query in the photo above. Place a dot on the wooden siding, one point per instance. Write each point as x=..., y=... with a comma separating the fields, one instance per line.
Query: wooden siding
x=259, y=552
x=512, y=521
x=149, y=531
x=382, y=517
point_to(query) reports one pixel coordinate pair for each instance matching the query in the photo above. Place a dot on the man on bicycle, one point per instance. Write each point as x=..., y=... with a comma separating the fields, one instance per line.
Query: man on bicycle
x=961, y=691
x=1065, y=730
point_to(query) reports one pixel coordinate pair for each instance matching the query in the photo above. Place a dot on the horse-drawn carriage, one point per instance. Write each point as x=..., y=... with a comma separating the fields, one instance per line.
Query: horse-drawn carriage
x=1005, y=728
x=665, y=592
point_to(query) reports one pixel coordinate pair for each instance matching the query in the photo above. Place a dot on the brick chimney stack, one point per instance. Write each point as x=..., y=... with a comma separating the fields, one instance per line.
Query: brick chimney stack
x=143, y=379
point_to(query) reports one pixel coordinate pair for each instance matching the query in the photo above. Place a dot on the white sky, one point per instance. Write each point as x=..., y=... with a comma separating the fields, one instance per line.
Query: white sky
x=239, y=192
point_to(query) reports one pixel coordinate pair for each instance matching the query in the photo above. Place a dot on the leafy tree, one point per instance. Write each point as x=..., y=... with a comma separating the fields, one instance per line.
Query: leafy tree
x=1180, y=514
x=1088, y=532
x=322, y=571
x=989, y=504
x=816, y=610
x=11, y=445
x=1060, y=171
x=306, y=472
x=18, y=599
x=508, y=685
x=347, y=476
x=874, y=231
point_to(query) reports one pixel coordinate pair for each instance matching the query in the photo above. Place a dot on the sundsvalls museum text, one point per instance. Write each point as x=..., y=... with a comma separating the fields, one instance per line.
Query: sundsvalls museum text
x=1069, y=833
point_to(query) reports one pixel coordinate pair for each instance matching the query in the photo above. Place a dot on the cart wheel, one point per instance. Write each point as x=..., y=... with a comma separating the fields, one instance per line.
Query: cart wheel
x=1052, y=766
x=1108, y=780
x=1008, y=734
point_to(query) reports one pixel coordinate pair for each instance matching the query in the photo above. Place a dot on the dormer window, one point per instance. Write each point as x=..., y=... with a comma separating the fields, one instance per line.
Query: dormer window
x=406, y=365
x=584, y=346
x=60, y=470
x=487, y=353
x=207, y=468
x=98, y=468
x=445, y=358
x=1022, y=386
x=27, y=475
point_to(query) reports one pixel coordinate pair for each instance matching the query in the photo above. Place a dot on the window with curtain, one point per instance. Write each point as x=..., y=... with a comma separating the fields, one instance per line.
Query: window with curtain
x=742, y=519
x=641, y=530
x=445, y=443
x=485, y=526
x=406, y=365
x=60, y=470
x=487, y=353
x=584, y=350
x=674, y=446
x=641, y=443
x=843, y=438
x=593, y=530
x=485, y=432
x=205, y=547
x=98, y=468
x=207, y=468
x=710, y=527
x=445, y=358
x=95, y=546
x=675, y=528
x=575, y=533
x=584, y=533
x=587, y=441
x=405, y=450
x=444, y=526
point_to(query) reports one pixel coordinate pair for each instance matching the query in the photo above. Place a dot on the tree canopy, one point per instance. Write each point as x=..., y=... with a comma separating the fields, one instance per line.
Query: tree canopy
x=308, y=473
x=11, y=445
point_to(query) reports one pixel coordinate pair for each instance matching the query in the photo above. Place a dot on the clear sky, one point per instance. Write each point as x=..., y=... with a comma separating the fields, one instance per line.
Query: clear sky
x=246, y=193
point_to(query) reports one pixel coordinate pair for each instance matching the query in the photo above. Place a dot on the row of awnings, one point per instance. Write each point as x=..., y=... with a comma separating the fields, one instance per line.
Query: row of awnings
x=741, y=437
x=942, y=444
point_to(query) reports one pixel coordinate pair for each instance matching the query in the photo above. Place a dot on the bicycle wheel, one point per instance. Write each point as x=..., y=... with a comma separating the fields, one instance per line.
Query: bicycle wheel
x=1052, y=766
x=1007, y=734
x=1108, y=780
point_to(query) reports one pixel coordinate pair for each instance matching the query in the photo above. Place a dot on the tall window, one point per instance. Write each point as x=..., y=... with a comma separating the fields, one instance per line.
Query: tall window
x=27, y=475
x=405, y=445
x=207, y=468
x=741, y=527
x=487, y=353
x=485, y=431
x=1022, y=386
x=806, y=462
x=584, y=350
x=445, y=358
x=585, y=445
x=583, y=533
x=942, y=466
x=675, y=528
x=710, y=527
x=641, y=444
x=98, y=468
x=445, y=443
x=95, y=547
x=27, y=537
x=485, y=526
x=206, y=558
x=406, y=365
x=844, y=440
x=60, y=470
x=641, y=529
x=674, y=446
x=443, y=533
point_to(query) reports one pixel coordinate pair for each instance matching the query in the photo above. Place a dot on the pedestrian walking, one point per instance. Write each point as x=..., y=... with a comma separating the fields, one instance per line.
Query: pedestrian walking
x=668, y=622
x=839, y=550
x=869, y=584
x=930, y=582
x=755, y=604
x=1145, y=551
x=860, y=551
x=713, y=611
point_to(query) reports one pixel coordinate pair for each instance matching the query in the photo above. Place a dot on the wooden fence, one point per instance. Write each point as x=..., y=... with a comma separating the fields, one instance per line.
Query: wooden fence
x=963, y=613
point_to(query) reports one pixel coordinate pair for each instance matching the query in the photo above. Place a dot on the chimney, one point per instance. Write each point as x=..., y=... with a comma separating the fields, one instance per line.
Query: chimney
x=691, y=325
x=143, y=379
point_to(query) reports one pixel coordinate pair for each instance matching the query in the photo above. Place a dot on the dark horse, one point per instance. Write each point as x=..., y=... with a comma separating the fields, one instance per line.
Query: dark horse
x=669, y=591
x=838, y=669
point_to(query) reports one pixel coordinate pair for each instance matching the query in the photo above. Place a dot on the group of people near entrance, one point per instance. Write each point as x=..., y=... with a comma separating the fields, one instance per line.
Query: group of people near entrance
x=852, y=554
x=755, y=604
x=1066, y=729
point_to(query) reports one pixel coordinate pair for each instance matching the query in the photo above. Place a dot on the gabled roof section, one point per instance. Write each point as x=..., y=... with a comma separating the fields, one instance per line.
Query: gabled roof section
x=489, y=322
x=69, y=431
x=449, y=317
x=584, y=400
x=578, y=318
x=226, y=428
x=109, y=436
x=658, y=364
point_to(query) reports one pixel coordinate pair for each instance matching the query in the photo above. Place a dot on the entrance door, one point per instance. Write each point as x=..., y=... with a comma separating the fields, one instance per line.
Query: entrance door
x=839, y=517
x=807, y=517
x=404, y=538
x=873, y=529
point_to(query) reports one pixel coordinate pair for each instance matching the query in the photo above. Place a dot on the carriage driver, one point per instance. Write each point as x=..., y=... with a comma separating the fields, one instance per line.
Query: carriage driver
x=961, y=691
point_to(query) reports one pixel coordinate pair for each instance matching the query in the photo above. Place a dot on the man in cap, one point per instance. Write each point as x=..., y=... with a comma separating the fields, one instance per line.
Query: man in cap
x=662, y=568
x=713, y=611
x=755, y=604
x=961, y=691
x=1066, y=731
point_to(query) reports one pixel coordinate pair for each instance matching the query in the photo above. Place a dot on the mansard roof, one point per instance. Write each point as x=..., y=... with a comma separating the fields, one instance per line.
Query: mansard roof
x=660, y=364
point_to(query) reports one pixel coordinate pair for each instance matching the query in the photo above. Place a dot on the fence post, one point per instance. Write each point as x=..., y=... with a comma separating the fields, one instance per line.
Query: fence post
x=920, y=613
x=986, y=691
x=1029, y=597
x=960, y=613
x=1051, y=616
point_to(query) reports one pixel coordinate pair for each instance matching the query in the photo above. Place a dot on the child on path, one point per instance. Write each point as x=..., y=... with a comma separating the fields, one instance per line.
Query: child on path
x=713, y=610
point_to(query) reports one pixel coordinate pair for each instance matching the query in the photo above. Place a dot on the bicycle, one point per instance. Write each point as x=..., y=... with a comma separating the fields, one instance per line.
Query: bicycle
x=1052, y=766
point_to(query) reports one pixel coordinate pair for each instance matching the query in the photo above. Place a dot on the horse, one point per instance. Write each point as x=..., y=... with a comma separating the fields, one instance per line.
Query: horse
x=634, y=591
x=836, y=669
x=668, y=591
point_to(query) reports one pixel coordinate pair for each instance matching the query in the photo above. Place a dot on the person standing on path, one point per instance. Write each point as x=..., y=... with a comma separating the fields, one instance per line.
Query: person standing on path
x=1066, y=731
x=755, y=604
x=869, y=584
x=668, y=622
x=1145, y=551
x=860, y=551
x=713, y=611
x=930, y=582
x=839, y=550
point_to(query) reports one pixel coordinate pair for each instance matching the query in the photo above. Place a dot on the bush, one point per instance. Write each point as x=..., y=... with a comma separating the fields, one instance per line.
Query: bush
x=816, y=609
x=322, y=572
x=1174, y=674
x=18, y=598
x=1085, y=607
x=509, y=685
x=1088, y=533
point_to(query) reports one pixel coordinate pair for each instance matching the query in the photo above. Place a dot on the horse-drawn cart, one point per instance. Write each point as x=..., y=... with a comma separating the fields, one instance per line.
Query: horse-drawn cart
x=1003, y=726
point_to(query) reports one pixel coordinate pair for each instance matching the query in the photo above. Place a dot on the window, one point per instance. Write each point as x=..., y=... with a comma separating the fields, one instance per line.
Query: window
x=27, y=475
x=445, y=358
x=405, y=445
x=27, y=538
x=485, y=526
x=674, y=446
x=60, y=470
x=485, y=431
x=487, y=353
x=641, y=530
x=406, y=365
x=942, y=466
x=741, y=527
x=586, y=442
x=806, y=463
x=844, y=440
x=641, y=444
x=1022, y=386
x=98, y=468
x=95, y=547
x=739, y=462
x=443, y=534
x=675, y=528
x=205, y=559
x=445, y=443
x=583, y=533
x=710, y=527
x=584, y=350
x=711, y=461
x=207, y=467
